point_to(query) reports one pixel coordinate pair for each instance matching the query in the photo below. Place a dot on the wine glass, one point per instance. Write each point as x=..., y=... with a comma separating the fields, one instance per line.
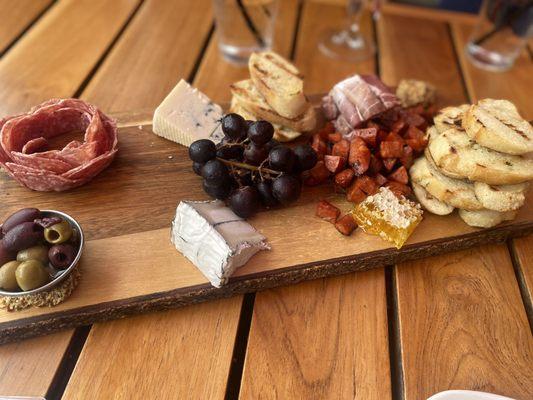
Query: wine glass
x=349, y=44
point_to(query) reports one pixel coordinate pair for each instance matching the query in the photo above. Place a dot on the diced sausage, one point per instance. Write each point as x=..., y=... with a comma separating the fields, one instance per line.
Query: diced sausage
x=334, y=164
x=407, y=158
x=344, y=178
x=341, y=149
x=334, y=137
x=319, y=172
x=346, y=225
x=390, y=149
x=367, y=185
x=327, y=211
x=400, y=175
x=359, y=157
x=319, y=146
x=389, y=163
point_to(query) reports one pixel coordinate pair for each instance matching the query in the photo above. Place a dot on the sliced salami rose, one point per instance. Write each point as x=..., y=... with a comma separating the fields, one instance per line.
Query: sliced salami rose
x=24, y=143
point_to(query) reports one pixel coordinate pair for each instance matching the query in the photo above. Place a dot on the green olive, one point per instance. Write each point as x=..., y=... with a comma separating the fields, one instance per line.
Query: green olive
x=8, y=281
x=31, y=274
x=58, y=233
x=39, y=253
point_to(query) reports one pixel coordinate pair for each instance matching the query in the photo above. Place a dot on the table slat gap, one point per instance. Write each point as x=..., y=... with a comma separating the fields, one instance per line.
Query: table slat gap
x=29, y=18
x=107, y=50
x=395, y=344
x=66, y=367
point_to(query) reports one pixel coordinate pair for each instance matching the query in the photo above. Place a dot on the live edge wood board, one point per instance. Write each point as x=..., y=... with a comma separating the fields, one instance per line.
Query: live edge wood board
x=129, y=265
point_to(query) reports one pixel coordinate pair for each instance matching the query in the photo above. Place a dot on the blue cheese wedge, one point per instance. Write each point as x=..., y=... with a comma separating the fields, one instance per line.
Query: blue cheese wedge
x=187, y=115
x=214, y=238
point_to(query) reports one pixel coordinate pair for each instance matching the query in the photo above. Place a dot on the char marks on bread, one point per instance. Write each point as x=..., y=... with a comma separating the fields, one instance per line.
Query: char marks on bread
x=280, y=83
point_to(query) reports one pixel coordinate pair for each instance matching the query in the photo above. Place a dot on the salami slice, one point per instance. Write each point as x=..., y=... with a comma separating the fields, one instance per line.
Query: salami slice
x=24, y=150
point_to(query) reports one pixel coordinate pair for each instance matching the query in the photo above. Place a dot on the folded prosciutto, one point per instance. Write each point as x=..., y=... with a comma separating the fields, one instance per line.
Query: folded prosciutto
x=24, y=145
x=356, y=100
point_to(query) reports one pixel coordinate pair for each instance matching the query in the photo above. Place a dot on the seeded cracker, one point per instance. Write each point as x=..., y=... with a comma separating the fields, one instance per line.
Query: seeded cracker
x=48, y=298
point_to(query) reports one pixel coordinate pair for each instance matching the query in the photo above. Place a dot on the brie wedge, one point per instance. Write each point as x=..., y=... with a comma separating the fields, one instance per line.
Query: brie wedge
x=214, y=238
x=187, y=115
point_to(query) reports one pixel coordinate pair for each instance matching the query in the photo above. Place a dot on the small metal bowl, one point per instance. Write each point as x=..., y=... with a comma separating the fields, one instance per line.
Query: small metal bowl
x=59, y=275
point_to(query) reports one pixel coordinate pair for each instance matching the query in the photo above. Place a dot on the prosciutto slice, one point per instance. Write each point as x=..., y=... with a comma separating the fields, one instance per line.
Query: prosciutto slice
x=24, y=145
x=357, y=99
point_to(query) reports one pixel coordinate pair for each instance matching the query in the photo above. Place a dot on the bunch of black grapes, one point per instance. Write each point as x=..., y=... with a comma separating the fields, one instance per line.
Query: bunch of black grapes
x=249, y=169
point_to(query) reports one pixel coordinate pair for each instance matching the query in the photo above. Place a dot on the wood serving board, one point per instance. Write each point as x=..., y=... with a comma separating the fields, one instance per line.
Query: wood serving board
x=129, y=265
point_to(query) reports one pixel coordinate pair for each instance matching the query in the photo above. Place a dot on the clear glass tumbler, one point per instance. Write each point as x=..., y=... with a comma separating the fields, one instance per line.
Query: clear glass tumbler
x=244, y=26
x=502, y=31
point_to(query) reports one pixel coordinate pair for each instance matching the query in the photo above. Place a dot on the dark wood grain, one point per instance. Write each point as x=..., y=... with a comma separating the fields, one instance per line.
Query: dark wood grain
x=329, y=336
x=139, y=192
x=49, y=322
x=201, y=336
x=161, y=45
x=178, y=355
x=463, y=325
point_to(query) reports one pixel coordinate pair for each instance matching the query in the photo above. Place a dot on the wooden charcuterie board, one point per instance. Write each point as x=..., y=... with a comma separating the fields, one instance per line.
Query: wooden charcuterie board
x=129, y=265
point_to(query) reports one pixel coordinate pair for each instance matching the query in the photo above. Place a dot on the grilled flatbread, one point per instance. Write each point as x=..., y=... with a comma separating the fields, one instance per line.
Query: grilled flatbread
x=457, y=155
x=246, y=94
x=279, y=82
x=496, y=124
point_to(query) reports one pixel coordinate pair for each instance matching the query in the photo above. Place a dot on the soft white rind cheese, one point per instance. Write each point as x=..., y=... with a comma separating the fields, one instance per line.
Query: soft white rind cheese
x=214, y=239
x=187, y=115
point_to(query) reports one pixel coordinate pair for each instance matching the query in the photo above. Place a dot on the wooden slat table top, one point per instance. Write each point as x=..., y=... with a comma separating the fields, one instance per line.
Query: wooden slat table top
x=457, y=321
x=318, y=333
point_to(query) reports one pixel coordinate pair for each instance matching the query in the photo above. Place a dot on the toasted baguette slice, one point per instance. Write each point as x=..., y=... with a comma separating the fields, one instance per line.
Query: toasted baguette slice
x=281, y=134
x=496, y=124
x=501, y=198
x=455, y=192
x=450, y=117
x=455, y=154
x=248, y=96
x=430, y=203
x=279, y=82
x=486, y=218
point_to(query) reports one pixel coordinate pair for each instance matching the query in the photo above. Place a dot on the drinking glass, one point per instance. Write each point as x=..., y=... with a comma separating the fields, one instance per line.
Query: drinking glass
x=501, y=33
x=244, y=26
x=349, y=43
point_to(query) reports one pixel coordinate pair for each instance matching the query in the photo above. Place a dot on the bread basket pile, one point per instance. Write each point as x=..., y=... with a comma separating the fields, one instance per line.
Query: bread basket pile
x=477, y=161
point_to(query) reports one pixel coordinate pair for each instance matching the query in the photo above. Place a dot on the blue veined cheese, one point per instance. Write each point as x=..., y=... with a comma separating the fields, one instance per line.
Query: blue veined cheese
x=214, y=238
x=187, y=115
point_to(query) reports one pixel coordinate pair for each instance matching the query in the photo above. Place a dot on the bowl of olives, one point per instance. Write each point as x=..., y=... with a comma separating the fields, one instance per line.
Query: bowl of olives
x=38, y=250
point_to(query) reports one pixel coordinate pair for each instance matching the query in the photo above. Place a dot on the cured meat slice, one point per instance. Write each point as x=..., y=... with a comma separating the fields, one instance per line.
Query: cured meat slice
x=35, y=145
x=356, y=100
x=24, y=139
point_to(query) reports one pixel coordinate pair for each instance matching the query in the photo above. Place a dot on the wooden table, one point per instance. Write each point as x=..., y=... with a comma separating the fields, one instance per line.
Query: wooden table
x=458, y=321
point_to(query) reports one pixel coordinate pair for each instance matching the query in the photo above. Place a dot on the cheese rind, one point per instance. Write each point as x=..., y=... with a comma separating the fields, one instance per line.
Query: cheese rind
x=214, y=238
x=187, y=115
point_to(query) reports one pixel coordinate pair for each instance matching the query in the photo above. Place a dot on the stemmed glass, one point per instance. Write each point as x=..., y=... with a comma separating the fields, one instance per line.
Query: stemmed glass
x=349, y=43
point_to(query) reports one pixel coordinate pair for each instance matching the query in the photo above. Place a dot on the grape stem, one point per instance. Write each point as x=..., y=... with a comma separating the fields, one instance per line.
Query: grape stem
x=259, y=169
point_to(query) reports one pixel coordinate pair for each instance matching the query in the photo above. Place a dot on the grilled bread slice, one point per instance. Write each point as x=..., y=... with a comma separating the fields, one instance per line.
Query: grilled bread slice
x=430, y=203
x=455, y=192
x=281, y=133
x=247, y=95
x=455, y=154
x=450, y=117
x=501, y=198
x=496, y=124
x=486, y=218
x=279, y=82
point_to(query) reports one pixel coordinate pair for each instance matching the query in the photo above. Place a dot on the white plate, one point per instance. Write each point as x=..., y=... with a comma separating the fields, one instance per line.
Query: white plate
x=466, y=395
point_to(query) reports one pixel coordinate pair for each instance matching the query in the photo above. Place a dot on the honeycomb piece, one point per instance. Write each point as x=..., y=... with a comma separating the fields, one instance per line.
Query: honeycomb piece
x=387, y=216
